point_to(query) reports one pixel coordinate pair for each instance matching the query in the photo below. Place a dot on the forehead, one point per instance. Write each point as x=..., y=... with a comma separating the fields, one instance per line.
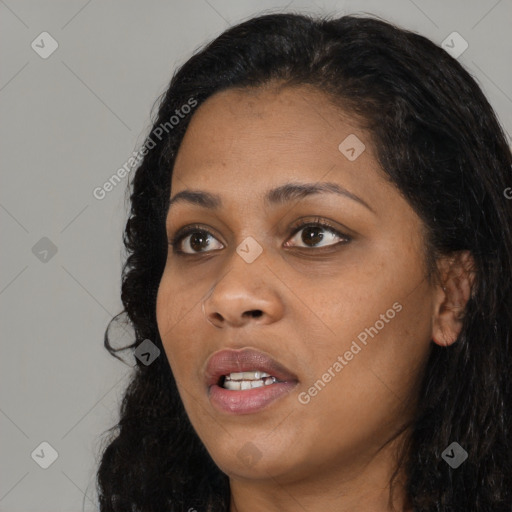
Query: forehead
x=300, y=117
x=247, y=140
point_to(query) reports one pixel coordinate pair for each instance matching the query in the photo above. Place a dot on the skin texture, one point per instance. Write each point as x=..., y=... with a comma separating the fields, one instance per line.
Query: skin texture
x=332, y=452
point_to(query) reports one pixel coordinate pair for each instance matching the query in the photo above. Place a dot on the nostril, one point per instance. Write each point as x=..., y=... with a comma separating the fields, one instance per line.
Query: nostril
x=256, y=313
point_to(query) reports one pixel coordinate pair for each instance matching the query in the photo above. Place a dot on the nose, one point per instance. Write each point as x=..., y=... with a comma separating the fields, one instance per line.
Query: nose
x=246, y=293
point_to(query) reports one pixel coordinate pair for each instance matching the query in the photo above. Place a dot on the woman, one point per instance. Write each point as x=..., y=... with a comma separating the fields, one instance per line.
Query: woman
x=320, y=245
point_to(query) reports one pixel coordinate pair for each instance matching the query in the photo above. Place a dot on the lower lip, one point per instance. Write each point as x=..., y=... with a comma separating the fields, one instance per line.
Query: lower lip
x=250, y=400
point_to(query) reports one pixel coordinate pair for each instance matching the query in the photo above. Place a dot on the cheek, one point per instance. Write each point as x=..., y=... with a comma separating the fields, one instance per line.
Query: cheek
x=377, y=360
x=174, y=311
x=170, y=304
x=379, y=323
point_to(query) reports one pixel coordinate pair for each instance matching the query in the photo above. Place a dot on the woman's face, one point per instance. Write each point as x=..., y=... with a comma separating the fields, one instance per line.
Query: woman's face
x=341, y=315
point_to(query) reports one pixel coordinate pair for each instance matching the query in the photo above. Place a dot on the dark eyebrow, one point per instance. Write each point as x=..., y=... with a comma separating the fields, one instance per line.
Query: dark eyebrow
x=275, y=196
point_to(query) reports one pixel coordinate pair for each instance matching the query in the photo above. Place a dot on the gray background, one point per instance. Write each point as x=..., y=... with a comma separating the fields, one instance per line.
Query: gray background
x=68, y=123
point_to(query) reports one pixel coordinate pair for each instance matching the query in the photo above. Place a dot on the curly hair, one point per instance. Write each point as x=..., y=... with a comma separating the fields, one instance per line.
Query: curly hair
x=440, y=143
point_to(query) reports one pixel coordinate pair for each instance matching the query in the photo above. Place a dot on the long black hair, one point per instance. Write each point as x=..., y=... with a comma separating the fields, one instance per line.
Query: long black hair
x=438, y=140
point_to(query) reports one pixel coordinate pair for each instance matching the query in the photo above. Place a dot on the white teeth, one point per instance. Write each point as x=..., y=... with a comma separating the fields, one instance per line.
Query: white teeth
x=247, y=375
x=240, y=381
x=239, y=385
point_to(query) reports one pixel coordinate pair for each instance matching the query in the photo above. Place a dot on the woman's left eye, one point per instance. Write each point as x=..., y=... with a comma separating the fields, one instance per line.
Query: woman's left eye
x=312, y=234
x=198, y=239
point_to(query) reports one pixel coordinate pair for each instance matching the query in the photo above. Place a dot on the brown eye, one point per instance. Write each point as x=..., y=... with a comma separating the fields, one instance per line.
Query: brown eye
x=313, y=234
x=193, y=241
x=196, y=240
x=199, y=241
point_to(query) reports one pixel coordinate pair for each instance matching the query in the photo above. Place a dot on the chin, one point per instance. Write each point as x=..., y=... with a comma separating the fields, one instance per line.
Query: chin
x=242, y=459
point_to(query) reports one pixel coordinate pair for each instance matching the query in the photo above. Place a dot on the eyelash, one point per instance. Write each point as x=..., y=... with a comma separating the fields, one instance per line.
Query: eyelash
x=296, y=228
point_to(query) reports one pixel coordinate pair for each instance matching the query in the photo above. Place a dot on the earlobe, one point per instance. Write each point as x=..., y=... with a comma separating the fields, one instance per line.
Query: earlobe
x=457, y=274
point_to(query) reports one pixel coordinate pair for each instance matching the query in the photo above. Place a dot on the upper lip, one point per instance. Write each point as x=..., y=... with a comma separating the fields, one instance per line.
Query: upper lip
x=227, y=361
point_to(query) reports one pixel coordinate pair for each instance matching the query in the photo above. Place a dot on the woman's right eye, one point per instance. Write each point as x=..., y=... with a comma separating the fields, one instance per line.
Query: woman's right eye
x=193, y=240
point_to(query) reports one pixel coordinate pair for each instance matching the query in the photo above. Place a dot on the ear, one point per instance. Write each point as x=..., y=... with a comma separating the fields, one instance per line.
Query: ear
x=456, y=280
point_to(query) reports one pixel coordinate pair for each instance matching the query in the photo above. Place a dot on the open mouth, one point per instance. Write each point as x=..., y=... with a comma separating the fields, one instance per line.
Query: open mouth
x=240, y=381
x=246, y=381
